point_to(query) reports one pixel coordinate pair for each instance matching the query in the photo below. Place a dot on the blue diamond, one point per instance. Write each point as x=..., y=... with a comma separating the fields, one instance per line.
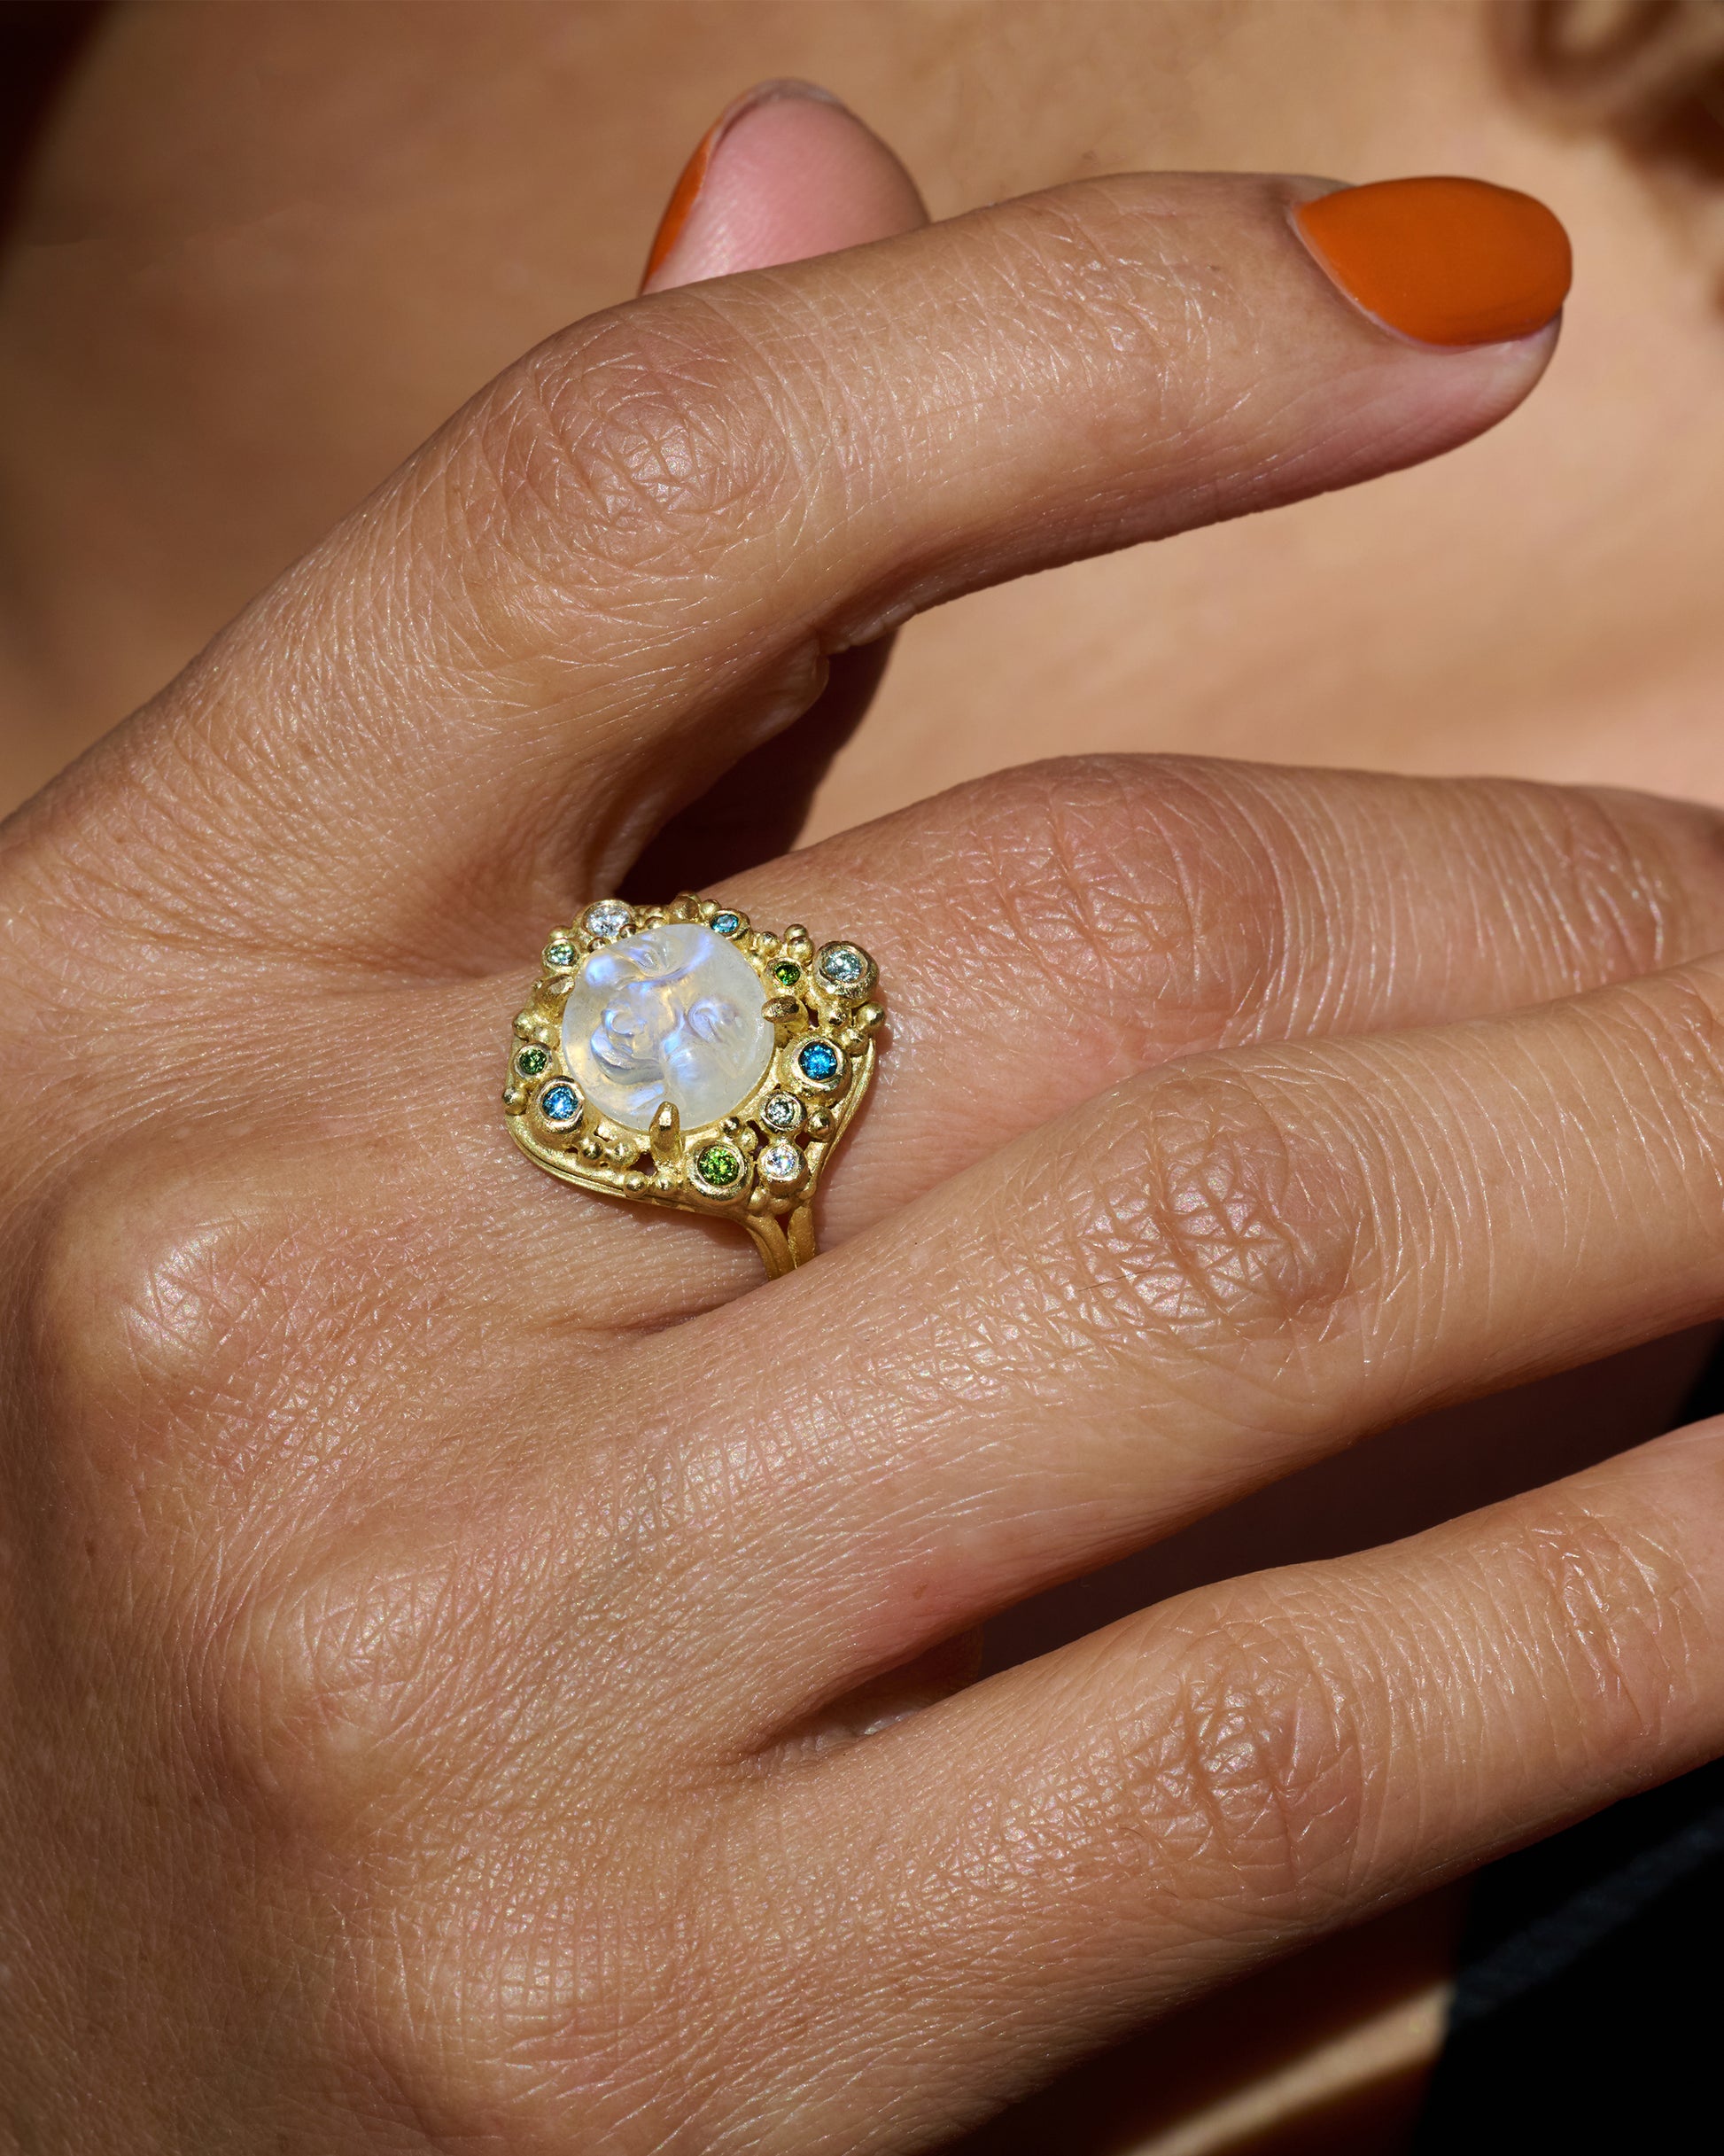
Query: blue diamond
x=725, y=924
x=558, y=1103
x=842, y=963
x=819, y=1061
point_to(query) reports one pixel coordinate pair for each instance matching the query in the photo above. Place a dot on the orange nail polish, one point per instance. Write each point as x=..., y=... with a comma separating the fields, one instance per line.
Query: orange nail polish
x=683, y=196
x=1449, y=261
x=687, y=191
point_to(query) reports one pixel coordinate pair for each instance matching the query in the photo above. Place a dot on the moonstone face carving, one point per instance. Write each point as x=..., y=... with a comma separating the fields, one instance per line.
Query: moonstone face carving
x=673, y=1014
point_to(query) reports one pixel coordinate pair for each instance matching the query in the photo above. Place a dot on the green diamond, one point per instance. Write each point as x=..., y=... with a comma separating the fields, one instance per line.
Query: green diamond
x=559, y=953
x=719, y=1165
x=531, y=1062
x=786, y=974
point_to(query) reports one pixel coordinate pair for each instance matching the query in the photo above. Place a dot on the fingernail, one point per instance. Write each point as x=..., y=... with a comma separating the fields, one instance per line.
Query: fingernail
x=693, y=178
x=1449, y=261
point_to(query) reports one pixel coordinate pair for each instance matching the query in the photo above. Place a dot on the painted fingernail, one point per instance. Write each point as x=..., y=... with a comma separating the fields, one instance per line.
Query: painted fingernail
x=693, y=178
x=1449, y=261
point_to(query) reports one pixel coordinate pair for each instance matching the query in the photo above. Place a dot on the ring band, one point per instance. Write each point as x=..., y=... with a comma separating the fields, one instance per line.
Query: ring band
x=675, y=1055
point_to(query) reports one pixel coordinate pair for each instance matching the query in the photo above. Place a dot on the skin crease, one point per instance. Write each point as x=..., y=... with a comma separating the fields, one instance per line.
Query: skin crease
x=206, y=361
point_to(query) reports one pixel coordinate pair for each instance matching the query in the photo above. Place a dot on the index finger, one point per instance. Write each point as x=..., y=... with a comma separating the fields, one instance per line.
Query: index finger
x=628, y=561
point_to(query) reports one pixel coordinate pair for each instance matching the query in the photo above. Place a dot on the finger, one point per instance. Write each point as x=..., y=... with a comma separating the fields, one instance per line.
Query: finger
x=626, y=563
x=1048, y=933
x=1060, y=1850
x=785, y=173
x=1203, y=1279
x=1055, y=932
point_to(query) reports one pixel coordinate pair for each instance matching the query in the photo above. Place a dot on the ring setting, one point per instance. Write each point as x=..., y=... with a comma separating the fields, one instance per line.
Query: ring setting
x=679, y=1056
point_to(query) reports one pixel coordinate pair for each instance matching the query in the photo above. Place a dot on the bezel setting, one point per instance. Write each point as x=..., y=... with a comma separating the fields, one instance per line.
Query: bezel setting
x=607, y=921
x=759, y=1163
x=817, y=1065
x=782, y=1113
x=846, y=971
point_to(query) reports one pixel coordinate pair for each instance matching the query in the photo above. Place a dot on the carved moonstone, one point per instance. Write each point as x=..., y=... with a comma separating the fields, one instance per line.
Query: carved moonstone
x=673, y=1014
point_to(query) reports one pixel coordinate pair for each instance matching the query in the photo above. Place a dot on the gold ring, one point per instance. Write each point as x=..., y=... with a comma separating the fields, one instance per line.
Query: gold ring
x=676, y=1055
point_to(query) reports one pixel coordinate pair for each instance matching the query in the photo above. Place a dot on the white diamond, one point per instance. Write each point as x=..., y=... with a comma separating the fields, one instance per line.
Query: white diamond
x=609, y=919
x=780, y=1164
x=673, y=1014
x=782, y=1111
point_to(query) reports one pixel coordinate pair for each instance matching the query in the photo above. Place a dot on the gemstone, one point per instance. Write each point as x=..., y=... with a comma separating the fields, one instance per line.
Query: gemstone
x=559, y=1103
x=531, y=1062
x=720, y=1166
x=674, y=1013
x=843, y=967
x=787, y=973
x=608, y=920
x=559, y=952
x=781, y=1111
x=781, y=1164
x=819, y=1062
x=725, y=924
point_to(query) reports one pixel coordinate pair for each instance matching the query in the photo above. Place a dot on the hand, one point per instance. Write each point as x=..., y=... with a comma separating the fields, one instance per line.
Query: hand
x=461, y=1637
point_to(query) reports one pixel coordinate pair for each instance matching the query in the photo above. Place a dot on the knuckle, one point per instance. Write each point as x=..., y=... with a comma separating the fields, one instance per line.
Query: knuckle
x=1218, y=1222
x=1608, y=1611
x=304, y=1693
x=190, y=1345
x=141, y=1269
x=651, y=435
x=161, y=1281
x=1675, y=1039
x=582, y=1998
x=1250, y=1765
x=1120, y=876
x=1630, y=883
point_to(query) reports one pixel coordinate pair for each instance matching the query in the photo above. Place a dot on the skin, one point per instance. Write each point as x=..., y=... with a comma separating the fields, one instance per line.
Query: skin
x=228, y=1329
x=450, y=1702
x=206, y=359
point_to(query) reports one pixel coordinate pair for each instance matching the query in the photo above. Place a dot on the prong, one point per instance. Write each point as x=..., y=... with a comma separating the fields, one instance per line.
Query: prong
x=666, y=1134
x=782, y=1011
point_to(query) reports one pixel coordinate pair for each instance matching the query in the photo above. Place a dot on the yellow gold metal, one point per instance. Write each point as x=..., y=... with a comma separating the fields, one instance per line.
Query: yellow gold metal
x=663, y=1165
x=666, y=1136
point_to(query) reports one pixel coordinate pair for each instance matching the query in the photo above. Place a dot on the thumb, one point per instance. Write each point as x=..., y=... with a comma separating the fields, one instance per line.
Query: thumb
x=784, y=173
